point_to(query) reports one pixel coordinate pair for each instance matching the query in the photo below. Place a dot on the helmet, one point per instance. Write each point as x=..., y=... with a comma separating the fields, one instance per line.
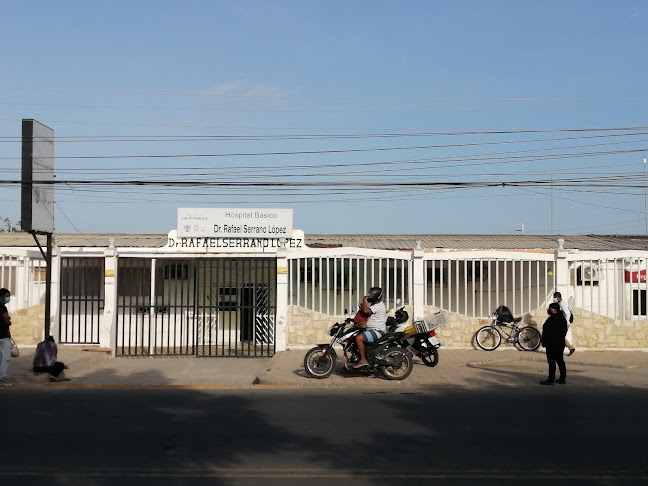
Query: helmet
x=375, y=294
x=401, y=316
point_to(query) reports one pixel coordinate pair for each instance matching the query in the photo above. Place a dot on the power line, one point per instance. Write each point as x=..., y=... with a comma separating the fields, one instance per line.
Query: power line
x=311, y=152
x=274, y=110
x=611, y=180
x=329, y=98
x=332, y=136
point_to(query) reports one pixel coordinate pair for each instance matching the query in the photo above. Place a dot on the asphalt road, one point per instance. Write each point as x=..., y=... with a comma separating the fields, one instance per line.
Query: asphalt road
x=561, y=435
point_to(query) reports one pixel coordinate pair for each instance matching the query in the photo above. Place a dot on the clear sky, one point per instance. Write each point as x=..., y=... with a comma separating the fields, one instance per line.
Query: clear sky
x=460, y=116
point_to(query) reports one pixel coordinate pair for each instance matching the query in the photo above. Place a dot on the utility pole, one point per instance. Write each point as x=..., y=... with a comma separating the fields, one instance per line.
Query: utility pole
x=645, y=203
x=521, y=230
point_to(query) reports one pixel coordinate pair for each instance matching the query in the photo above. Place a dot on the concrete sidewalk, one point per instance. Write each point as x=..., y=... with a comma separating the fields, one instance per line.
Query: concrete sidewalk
x=462, y=368
x=470, y=368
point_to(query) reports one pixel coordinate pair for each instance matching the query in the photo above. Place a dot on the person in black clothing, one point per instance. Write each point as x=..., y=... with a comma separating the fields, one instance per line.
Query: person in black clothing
x=553, y=339
x=5, y=337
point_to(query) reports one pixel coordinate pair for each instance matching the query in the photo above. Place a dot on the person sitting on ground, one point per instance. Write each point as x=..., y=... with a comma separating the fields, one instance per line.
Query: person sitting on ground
x=45, y=360
x=372, y=306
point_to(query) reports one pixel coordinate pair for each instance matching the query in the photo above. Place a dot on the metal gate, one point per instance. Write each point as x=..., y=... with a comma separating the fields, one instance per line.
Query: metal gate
x=199, y=307
x=235, y=307
x=82, y=300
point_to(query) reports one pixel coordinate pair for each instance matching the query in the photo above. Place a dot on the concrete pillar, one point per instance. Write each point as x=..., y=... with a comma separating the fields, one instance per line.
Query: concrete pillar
x=108, y=325
x=281, y=326
x=562, y=271
x=152, y=313
x=418, y=281
x=55, y=293
x=22, y=290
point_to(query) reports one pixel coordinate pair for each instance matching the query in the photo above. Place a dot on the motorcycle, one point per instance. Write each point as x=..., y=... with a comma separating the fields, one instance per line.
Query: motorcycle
x=420, y=336
x=385, y=355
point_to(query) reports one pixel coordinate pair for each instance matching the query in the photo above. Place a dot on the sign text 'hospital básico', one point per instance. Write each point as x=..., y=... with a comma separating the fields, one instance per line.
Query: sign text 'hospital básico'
x=235, y=223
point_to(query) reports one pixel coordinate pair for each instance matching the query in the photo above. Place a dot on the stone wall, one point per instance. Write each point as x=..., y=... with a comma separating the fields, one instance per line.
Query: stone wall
x=589, y=330
x=308, y=328
x=27, y=325
x=592, y=330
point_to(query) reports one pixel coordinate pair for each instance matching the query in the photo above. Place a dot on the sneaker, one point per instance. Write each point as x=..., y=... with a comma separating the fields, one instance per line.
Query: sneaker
x=5, y=383
x=561, y=381
x=571, y=351
x=546, y=382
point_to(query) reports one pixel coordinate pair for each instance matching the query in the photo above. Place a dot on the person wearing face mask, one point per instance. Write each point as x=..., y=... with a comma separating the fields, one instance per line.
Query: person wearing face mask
x=557, y=298
x=5, y=337
x=553, y=339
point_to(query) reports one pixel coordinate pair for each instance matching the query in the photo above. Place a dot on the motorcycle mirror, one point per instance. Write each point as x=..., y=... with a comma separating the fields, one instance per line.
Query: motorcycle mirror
x=354, y=309
x=398, y=302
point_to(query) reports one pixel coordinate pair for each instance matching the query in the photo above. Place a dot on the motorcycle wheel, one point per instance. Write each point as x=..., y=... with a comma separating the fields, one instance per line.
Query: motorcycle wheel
x=404, y=364
x=319, y=364
x=432, y=358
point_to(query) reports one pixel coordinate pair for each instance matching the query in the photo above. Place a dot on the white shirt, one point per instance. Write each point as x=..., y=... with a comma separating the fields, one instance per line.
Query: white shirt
x=565, y=310
x=378, y=318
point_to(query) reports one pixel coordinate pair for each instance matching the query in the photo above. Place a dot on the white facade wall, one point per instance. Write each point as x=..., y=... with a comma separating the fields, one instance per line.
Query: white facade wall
x=331, y=281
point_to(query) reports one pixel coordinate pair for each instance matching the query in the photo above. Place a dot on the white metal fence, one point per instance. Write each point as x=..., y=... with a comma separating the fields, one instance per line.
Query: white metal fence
x=333, y=280
x=615, y=287
x=333, y=283
x=25, y=277
x=476, y=286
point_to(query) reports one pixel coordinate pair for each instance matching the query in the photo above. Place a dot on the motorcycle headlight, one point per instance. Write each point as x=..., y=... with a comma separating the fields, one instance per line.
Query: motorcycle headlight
x=334, y=329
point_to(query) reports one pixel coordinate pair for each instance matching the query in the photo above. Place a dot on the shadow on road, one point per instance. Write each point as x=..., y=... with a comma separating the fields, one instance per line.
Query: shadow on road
x=383, y=437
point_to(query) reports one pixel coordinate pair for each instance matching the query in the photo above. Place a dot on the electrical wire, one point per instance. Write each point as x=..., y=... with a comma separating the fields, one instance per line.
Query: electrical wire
x=326, y=98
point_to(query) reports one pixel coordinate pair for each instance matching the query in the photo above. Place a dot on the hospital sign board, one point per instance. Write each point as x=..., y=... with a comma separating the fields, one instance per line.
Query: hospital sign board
x=235, y=223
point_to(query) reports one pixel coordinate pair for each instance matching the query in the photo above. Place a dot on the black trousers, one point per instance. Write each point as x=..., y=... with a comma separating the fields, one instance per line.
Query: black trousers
x=54, y=370
x=555, y=357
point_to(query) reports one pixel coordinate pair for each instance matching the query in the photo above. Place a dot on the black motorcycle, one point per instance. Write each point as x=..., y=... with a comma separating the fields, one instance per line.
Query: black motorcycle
x=385, y=355
x=420, y=337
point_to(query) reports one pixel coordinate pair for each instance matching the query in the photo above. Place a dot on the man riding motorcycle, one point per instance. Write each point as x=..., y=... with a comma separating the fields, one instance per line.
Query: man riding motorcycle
x=373, y=306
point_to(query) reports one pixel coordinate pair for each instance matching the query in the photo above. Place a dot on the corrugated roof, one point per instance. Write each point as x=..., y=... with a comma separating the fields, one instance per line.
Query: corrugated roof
x=101, y=240
x=377, y=241
x=484, y=242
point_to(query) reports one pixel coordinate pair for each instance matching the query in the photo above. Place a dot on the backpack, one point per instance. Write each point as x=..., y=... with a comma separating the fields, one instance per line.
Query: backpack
x=504, y=314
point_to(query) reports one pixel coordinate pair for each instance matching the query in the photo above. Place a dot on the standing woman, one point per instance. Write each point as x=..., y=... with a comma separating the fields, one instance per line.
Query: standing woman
x=5, y=337
x=553, y=339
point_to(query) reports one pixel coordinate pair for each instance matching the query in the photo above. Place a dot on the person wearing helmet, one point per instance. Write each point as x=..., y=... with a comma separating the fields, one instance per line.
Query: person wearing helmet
x=374, y=307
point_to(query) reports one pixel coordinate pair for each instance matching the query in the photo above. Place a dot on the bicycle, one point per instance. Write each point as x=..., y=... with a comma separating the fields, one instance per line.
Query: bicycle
x=489, y=337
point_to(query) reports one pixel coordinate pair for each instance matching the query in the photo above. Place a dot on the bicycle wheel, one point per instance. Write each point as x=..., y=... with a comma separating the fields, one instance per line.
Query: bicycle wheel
x=488, y=338
x=528, y=338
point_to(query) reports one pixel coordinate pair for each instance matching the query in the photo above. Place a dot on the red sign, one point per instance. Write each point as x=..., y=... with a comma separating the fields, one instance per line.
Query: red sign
x=635, y=276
